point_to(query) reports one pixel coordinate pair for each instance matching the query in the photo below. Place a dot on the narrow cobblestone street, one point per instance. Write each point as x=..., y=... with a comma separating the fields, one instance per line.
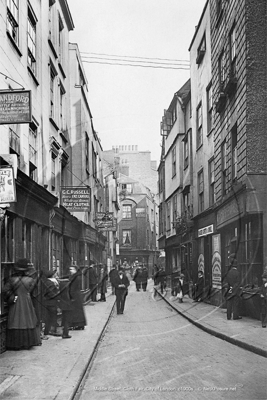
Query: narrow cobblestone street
x=152, y=351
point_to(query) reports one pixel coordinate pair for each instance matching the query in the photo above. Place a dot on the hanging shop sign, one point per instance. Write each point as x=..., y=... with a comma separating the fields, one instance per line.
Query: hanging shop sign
x=105, y=221
x=7, y=186
x=76, y=198
x=15, y=107
x=216, y=262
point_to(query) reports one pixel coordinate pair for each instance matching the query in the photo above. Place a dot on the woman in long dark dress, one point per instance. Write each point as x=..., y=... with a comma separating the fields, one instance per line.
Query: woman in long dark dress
x=22, y=332
x=78, y=320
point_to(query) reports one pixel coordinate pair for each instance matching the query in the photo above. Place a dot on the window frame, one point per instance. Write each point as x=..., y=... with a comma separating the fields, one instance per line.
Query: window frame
x=173, y=161
x=209, y=108
x=199, y=123
x=127, y=211
x=212, y=198
x=223, y=165
x=12, y=22
x=32, y=38
x=234, y=159
x=200, y=186
x=124, y=236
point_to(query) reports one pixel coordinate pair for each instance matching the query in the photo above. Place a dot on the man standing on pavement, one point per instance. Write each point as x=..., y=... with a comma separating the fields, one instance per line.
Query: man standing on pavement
x=233, y=290
x=92, y=281
x=121, y=284
x=199, y=288
x=112, y=274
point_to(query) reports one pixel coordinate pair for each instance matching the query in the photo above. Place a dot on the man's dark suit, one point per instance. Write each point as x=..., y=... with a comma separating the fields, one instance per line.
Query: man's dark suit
x=233, y=294
x=121, y=284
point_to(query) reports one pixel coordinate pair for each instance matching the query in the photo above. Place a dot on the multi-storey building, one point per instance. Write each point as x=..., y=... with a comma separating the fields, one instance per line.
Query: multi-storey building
x=239, y=55
x=203, y=183
x=55, y=148
x=137, y=223
x=227, y=149
x=138, y=162
x=177, y=183
x=137, y=182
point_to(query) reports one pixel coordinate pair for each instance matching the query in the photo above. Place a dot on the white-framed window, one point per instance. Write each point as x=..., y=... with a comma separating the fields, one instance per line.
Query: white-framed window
x=168, y=215
x=62, y=93
x=127, y=186
x=174, y=161
x=201, y=50
x=174, y=114
x=201, y=191
x=232, y=42
x=126, y=237
x=186, y=149
x=209, y=108
x=221, y=68
x=53, y=75
x=32, y=22
x=211, y=182
x=14, y=140
x=199, y=126
x=13, y=20
x=127, y=211
x=174, y=208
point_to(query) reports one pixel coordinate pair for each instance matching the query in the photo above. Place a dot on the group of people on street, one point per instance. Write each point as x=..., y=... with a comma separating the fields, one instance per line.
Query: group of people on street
x=98, y=277
x=24, y=324
x=140, y=277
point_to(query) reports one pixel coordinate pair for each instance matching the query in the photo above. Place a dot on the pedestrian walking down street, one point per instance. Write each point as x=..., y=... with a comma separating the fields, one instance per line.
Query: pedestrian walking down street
x=161, y=279
x=50, y=302
x=77, y=318
x=199, y=287
x=234, y=290
x=102, y=283
x=144, y=277
x=66, y=307
x=22, y=332
x=113, y=272
x=121, y=290
x=263, y=296
x=155, y=271
x=137, y=277
x=92, y=282
x=180, y=294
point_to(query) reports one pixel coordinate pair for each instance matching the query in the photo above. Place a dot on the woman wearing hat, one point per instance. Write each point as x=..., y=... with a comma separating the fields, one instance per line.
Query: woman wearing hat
x=22, y=332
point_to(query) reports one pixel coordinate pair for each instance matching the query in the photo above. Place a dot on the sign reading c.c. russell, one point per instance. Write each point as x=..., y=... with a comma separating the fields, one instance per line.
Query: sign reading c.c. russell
x=76, y=198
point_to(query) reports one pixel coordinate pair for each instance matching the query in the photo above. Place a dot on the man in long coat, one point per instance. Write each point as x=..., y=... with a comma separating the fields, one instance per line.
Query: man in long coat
x=233, y=290
x=121, y=284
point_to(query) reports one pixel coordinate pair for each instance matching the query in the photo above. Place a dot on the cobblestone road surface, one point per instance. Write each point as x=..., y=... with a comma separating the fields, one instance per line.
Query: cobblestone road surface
x=152, y=352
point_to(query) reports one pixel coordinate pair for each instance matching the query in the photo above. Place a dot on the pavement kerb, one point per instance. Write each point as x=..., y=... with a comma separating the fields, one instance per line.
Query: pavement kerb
x=84, y=370
x=218, y=334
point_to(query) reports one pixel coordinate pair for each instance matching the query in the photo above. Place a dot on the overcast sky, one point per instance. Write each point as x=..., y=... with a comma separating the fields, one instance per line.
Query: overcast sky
x=127, y=103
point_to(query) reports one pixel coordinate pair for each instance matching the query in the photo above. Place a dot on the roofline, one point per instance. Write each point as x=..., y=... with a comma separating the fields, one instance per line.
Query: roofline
x=198, y=25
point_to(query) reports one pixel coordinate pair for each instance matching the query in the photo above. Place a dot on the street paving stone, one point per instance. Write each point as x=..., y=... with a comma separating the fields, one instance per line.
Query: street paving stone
x=152, y=352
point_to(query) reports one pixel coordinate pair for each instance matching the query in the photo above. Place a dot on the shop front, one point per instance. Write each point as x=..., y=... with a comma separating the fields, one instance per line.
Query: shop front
x=241, y=232
x=25, y=233
x=207, y=256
